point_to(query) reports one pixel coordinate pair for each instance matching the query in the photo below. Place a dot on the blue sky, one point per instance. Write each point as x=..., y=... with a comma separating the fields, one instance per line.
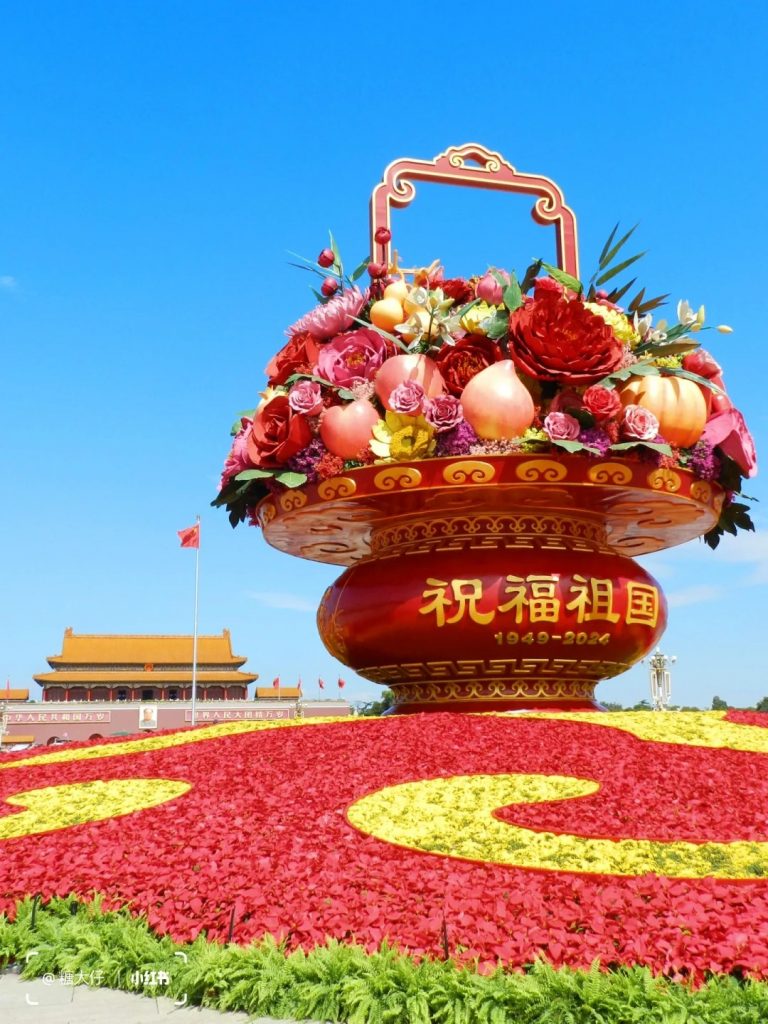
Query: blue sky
x=158, y=161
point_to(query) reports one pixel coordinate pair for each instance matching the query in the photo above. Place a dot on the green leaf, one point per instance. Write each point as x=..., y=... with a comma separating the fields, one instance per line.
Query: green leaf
x=673, y=371
x=602, y=261
x=254, y=474
x=530, y=276
x=335, y=249
x=575, y=446
x=380, y=330
x=618, y=268
x=656, y=446
x=606, y=257
x=644, y=370
x=562, y=278
x=666, y=348
x=513, y=297
x=360, y=269
x=651, y=304
x=319, y=296
x=498, y=326
x=346, y=395
x=465, y=309
x=619, y=293
x=290, y=479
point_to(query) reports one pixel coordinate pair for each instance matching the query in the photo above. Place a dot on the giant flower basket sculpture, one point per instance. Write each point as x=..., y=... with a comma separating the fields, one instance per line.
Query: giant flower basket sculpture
x=486, y=456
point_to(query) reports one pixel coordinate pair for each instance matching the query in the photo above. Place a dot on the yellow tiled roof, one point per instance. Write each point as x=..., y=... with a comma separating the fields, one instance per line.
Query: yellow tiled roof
x=14, y=694
x=96, y=677
x=110, y=649
x=273, y=691
x=10, y=737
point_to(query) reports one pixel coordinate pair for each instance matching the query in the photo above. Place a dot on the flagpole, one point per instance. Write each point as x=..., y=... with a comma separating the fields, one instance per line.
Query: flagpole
x=194, y=635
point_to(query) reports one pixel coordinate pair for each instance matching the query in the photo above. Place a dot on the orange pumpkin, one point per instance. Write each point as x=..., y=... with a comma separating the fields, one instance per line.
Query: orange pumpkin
x=678, y=404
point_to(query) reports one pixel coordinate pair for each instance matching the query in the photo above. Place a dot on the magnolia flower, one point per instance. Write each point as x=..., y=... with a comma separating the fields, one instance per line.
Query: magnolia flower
x=687, y=317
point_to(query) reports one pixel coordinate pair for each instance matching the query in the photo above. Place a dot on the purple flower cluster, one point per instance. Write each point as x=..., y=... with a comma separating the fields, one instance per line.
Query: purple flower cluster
x=704, y=461
x=595, y=438
x=306, y=460
x=457, y=441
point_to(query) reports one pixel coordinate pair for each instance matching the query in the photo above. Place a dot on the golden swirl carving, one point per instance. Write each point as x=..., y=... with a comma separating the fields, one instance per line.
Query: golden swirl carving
x=541, y=469
x=469, y=471
x=292, y=500
x=458, y=158
x=664, y=479
x=701, y=491
x=489, y=530
x=508, y=672
x=397, y=476
x=487, y=690
x=267, y=512
x=337, y=487
x=610, y=473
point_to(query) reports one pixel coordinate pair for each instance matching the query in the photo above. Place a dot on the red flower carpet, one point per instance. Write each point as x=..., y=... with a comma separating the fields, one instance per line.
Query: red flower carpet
x=286, y=830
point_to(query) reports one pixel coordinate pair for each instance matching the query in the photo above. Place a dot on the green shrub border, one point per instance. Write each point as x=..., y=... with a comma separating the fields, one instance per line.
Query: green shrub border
x=343, y=983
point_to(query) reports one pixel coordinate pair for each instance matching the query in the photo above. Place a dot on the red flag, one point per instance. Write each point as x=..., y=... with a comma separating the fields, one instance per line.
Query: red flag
x=321, y=684
x=276, y=682
x=342, y=684
x=190, y=538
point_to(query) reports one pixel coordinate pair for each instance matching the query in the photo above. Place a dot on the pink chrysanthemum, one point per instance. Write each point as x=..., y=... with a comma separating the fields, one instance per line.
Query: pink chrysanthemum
x=333, y=317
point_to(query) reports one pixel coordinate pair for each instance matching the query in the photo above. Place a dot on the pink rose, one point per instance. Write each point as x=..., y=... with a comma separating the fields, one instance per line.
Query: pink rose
x=238, y=459
x=639, y=424
x=352, y=357
x=565, y=400
x=728, y=431
x=443, y=413
x=305, y=396
x=488, y=288
x=407, y=398
x=562, y=427
x=603, y=403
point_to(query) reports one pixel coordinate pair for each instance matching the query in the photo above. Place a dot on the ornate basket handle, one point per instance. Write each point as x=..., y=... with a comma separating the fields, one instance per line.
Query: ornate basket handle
x=477, y=167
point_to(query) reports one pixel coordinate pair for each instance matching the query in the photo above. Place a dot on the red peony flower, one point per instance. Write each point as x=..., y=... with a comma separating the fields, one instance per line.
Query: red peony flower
x=554, y=339
x=459, y=363
x=458, y=289
x=298, y=356
x=277, y=434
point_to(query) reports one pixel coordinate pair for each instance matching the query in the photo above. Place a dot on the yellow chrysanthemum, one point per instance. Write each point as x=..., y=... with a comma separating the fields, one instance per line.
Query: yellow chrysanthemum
x=399, y=438
x=473, y=319
x=618, y=323
x=670, y=361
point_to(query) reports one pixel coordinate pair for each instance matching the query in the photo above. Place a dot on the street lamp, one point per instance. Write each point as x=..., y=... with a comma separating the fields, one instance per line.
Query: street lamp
x=661, y=679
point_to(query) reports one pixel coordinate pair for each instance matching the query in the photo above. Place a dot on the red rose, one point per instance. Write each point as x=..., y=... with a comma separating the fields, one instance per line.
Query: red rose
x=458, y=289
x=298, y=356
x=552, y=338
x=459, y=363
x=603, y=403
x=277, y=434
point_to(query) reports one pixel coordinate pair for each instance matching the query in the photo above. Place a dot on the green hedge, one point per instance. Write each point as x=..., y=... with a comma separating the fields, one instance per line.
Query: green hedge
x=337, y=982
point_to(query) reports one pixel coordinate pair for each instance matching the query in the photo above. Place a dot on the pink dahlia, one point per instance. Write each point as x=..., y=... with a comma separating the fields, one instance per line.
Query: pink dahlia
x=333, y=317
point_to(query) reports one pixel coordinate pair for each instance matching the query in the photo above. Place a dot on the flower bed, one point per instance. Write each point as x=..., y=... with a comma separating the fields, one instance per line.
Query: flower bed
x=276, y=828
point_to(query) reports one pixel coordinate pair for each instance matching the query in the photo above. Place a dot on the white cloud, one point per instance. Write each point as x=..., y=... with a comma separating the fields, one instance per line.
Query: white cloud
x=274, y=599
x=695, y=594
x=8, y=283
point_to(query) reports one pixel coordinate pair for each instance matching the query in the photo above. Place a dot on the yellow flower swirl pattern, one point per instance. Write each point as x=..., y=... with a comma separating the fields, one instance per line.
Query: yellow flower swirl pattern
x=55, y=807
x=454, y=817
